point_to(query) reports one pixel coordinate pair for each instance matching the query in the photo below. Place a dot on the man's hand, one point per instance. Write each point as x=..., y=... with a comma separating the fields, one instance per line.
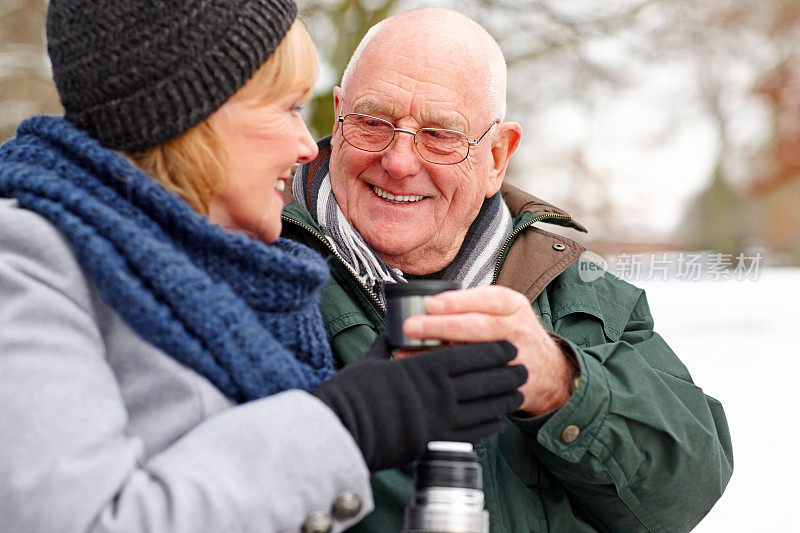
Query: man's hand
x=494, y=313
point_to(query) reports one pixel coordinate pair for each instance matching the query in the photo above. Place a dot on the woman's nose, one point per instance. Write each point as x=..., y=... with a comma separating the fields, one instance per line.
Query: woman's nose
x=308, y=147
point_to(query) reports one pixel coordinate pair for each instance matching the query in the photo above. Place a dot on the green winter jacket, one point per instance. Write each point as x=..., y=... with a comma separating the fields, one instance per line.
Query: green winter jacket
x=652, y=452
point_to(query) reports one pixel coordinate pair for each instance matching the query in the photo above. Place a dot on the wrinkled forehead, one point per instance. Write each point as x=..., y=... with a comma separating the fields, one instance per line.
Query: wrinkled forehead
x=435, y=79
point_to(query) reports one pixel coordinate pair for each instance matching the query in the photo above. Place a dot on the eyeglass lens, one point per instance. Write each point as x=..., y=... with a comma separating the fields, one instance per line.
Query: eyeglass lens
x=434, y=145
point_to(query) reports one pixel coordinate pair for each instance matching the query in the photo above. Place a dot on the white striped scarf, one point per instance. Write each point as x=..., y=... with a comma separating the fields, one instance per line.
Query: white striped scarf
x=473, y=265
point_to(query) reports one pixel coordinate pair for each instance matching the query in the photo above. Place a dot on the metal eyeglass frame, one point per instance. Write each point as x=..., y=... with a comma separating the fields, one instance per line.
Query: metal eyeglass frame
x=413, y=133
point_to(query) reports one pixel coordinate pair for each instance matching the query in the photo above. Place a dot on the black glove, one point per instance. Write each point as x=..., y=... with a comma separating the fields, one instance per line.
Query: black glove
x=394, y=408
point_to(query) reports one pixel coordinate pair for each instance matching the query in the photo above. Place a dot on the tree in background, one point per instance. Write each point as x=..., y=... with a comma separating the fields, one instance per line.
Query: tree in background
x=338, y=26
x=26, y=86
x=752, y=198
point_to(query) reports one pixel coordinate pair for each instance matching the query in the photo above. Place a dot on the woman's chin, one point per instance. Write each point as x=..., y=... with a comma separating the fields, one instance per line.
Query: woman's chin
x=270, y=230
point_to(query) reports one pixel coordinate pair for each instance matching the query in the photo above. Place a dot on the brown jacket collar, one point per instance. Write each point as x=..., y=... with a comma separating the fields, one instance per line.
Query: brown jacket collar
x=519, y=201
x=537, y=256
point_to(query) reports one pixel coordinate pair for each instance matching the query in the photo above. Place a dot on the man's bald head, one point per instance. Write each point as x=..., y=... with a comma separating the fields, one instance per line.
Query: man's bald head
x=452, y=31
x=427, y=69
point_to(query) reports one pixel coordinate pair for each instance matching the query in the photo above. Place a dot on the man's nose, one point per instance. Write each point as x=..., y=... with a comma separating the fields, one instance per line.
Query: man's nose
x=401, y=159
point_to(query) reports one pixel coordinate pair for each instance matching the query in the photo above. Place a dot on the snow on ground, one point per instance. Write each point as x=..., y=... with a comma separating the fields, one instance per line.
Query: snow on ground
x=737, y=339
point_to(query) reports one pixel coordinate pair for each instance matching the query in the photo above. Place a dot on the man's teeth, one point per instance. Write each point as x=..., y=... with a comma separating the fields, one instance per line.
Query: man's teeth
x=392, y=198
x=280, y=185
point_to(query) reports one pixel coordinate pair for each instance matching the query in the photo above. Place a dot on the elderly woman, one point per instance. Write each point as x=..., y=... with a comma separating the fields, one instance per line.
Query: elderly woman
x=163, y=362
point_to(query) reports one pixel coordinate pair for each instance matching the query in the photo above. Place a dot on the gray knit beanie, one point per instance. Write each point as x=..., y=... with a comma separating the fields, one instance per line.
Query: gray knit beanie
x=136, y=73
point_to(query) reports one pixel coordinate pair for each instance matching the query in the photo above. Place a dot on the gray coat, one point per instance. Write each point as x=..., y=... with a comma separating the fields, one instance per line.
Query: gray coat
x=100, y=431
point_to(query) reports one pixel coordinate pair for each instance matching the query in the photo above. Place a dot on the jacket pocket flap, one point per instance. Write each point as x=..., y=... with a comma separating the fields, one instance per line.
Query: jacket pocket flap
x=610, y=304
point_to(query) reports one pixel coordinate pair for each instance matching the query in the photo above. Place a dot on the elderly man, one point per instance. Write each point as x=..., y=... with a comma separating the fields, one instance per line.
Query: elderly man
x=612, y=434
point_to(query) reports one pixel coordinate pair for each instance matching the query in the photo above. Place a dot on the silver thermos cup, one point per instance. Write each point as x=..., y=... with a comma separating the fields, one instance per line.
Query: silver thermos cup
x=406, y=299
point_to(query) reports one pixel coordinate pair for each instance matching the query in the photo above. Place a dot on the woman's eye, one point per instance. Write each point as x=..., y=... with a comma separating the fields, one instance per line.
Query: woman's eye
x=297, y=108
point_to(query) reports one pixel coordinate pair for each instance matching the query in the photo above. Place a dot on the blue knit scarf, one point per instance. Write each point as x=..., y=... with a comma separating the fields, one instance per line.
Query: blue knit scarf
x=242, y=313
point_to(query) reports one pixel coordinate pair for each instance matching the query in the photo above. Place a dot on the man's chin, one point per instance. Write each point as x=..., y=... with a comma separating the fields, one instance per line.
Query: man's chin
x=410, y=258
x=391, y=249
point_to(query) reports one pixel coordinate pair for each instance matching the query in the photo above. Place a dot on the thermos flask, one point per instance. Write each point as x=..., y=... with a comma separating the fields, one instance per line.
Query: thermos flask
x=448, y=492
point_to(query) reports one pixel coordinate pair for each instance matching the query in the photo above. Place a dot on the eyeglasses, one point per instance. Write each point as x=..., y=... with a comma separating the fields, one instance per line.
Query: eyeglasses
x=435, y=145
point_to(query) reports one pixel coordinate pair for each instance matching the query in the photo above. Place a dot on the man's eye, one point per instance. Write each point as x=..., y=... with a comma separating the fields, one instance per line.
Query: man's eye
x=297, y=108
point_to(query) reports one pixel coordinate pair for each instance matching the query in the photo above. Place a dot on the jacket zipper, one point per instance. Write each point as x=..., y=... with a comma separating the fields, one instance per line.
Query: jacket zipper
x=333, y=251
x=517, y=231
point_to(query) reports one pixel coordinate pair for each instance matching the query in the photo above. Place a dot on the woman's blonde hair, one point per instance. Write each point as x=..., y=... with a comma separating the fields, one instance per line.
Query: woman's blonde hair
x=190, y=165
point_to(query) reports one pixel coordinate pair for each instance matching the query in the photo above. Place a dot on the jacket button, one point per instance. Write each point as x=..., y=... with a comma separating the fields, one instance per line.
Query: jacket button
x=558, y=247
x=346, y=505
x=570, y=434
x=318, y=522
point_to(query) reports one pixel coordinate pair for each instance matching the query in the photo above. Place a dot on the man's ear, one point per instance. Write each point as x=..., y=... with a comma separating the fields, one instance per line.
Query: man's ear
x=505, y=143
x=337, y=102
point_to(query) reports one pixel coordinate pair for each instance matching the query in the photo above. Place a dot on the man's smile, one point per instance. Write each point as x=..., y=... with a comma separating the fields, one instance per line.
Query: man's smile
x=405, y=199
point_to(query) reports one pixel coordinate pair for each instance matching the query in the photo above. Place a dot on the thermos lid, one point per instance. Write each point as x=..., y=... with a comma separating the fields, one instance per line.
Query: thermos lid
x=449, y=446
x=420, y=287
x=449, y=464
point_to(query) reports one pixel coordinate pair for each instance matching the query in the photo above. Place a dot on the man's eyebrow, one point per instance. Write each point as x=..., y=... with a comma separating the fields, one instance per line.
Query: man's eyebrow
x=431, y=117
x=438, y=118
x=371, y=107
